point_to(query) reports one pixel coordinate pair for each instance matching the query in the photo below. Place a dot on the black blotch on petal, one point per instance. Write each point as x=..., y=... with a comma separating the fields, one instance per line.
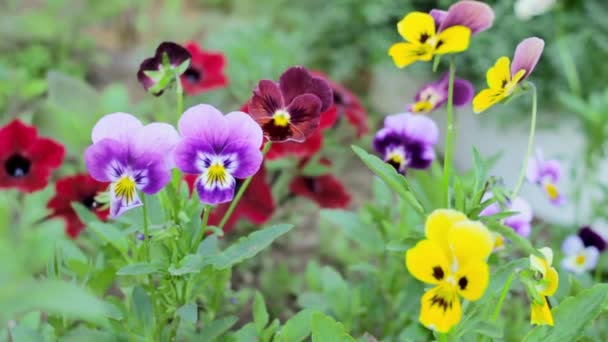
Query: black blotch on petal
x=462, y=283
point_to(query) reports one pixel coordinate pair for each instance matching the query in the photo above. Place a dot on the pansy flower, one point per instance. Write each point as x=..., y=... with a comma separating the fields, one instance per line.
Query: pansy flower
x=502, y=80
x=325, y=190
x=520, y=222
x=256, y=205
x=546, y=174
x=27, y=160
x=131, y=157
x=578, y=258
x=219, y=149
x=594, y=237
x=80, y=188
x=440, y=32
x=205, y=72
x=407, y=141
x=435, y=94
x=346, y=103
x=157, y=72
x=453, y=259
x=547, y=280
x=290, y=110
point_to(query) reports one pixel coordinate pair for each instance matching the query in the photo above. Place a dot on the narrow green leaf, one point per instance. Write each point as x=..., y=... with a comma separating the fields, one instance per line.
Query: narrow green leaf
x=188, y=313
x=139, y=269
x=325, y=328
x=510, y=234
x=191, y=263
x=211, y=331
x=297, y=328
x=143, y=308
x=110, y=234
x=260, y=314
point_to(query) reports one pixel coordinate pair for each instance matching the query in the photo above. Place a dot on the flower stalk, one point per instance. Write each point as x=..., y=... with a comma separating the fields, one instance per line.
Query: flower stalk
x=145, y=224
x=447, y=161
x=522, y=173
x=201, y=232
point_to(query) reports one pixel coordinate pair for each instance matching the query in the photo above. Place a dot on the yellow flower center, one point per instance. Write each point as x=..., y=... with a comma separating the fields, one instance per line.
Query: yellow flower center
x=580, y=259
x=125, y=188
x=422, y=107
x=551, y=190
x=281, y=118
x=216, y=174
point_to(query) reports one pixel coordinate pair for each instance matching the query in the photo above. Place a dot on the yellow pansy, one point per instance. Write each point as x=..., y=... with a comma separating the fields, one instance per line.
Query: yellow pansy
x=422, y=41
x=540, y=310
x=452, y=257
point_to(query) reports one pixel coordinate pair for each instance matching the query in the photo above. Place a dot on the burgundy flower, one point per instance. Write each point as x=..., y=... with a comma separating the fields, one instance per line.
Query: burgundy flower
x=154, y=75
x=256, y=205
x=80, y=188
x=346, y=103
x=27, y=160
x=206, y=70
x=290, y=110
x=325, y=190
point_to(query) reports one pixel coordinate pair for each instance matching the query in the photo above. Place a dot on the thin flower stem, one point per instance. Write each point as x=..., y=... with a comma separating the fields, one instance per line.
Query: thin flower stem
x=179, y=90
x=522, y=174
x=503, y=295
x=238, y=196
x=447, y=161
x=201, y=231
x=145, y=223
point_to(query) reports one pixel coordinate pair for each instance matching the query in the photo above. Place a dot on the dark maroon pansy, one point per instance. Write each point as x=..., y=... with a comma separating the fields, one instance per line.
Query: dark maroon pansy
x=290, y=109
x=206, y=70
x=82, y=189
x=591, y=238
x=153, y=75
x=27, y=160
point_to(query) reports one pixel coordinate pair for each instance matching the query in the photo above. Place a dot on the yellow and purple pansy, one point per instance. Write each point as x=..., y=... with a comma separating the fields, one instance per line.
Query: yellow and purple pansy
x=433, y=95
x=546, y=174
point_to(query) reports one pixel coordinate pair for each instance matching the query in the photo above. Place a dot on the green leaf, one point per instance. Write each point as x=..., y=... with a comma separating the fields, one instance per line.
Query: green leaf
x=211, y=331
x=325, y=328
x=139, y=269
x=389, y=175
x=188, y=313
x=249, y=246
x=110, y=234
x=363, y=234
x=191, y=263
x=510, y=234
x=297, y=328
x=143, y=308
x=84, y=214
x=247, y=333
x=260, y=314
x=572, y=316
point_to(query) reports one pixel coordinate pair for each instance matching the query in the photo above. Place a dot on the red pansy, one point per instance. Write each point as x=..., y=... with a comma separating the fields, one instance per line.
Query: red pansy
x=325, y=190
x=206, y=70
x=80, y=188
x=27, y=160
x=256, y=205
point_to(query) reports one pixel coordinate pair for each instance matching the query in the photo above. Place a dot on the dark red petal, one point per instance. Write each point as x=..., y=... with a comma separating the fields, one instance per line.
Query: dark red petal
x=210, y=68
x=305, y=113
x=297, y=81
x=328, y=118
x=150, y=64
x=177, y=53
x=257, y=203
x=308, y=148
x=46, y=153
x=327, y=191
x=16, y=136
x=279, y=133
x=266, y=100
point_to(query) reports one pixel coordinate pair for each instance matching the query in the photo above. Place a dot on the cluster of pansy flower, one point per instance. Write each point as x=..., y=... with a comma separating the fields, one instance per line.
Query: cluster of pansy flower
x=582, y=250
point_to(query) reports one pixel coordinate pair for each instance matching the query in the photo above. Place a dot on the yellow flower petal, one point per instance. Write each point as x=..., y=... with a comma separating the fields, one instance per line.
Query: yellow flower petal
x=440, y=308
x=541, y=313
x=439, y=223
x=552, y=281
x=427, y=262
x=518, y=76
x=470, y=241
x=500, y=74
x=487, y=98
x=452, y=40
x=472, y=279
x=416, y=27
x=548, y=254
x=405, y=54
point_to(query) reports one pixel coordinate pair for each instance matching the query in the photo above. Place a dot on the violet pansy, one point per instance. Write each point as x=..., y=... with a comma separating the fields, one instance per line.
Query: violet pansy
x=435, y=94
x=546, y=174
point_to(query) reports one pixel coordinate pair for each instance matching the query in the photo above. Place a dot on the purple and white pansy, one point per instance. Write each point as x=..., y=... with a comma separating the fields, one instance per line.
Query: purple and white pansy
x=407, y=141
x=546, y=174
x=435, y=94
x=521, y=222
x=131, y=156
x=219, y=149
x=578, y=257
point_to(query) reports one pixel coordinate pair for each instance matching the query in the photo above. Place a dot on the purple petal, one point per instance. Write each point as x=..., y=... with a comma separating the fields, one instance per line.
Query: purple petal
x=204, y=122
x=463, y=92
x=591, y=238
x=559, y=201
x=473, y=14
x=297, y=81
x=117, y=126
x=177, y=54
x=157, y=138
x=572, y=245
x=386, y=138
x=491, y=209
x=215, y=195
x=242, y=127
x=266, y=100
x=438, y=16
x=422, y=129
x=419, y=155
x=533, y=170
x=106, y=160
x=521, y=228
x=526, y=56
x=248, y=158
x=119, y=206
x=187, y=154
x=152, y=171
x=520, y=222
x=551, y=170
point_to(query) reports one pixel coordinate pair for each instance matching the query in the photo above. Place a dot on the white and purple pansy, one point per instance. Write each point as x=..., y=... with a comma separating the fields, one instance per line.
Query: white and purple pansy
x=131, y=156
x=407, y=141
x=521, y=221
x=578, y=257
x=546, y=174
x=219, y=149
x=435, y=94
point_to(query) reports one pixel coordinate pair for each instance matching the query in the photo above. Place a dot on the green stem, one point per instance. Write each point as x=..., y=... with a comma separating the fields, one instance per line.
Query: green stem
x=145, y=223
x=447, y=162
x=443, y=337
x=238, y=196
x=179, y=90
x=503, y=295
x=522, y=173
x=201, y=232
